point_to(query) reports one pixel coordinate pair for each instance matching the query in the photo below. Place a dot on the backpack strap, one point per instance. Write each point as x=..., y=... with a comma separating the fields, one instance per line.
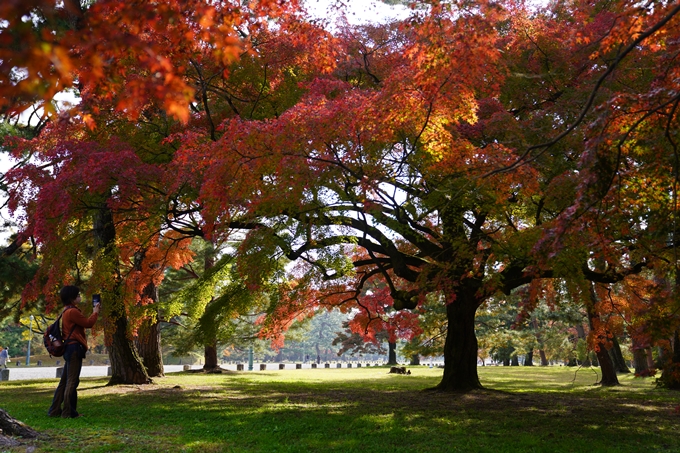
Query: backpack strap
x=65, y=340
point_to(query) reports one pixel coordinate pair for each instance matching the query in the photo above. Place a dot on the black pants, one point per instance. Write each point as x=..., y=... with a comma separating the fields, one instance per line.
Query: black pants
x=67, y=390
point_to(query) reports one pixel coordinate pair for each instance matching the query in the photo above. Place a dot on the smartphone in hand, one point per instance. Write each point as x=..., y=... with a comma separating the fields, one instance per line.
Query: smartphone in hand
x=96, y=299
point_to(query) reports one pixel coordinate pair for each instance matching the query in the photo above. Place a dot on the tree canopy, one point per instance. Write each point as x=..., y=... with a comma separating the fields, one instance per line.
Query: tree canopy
x=459, y=154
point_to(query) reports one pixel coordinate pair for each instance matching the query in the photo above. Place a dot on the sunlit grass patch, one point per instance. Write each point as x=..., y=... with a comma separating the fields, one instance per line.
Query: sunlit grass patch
x=358, y=410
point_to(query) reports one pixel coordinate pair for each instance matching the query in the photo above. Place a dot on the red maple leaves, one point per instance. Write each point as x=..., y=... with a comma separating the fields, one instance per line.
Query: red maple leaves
x=465, y=151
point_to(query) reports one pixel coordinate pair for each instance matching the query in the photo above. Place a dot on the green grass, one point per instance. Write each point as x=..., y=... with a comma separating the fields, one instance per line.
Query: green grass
x=355, y=410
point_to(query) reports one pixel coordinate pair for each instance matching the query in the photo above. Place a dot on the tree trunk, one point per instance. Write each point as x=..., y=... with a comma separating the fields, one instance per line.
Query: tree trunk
x=670, y=360
x=148, y=341
x=12, y=427
x=126, y=365
x=210, y=345
x=640, y=359
x=392, y=354
x=539, y=338
x=514, y=360
x=529, y=358
x=581, y=332
x=650, y=358
x=415, y=359
x=149, y=346
x=609, y=377
x=210, y=356
x=460, y=347
x=617, y=357
x=670, y=378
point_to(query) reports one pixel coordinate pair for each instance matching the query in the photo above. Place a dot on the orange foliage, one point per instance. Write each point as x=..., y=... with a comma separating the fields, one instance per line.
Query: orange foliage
x=470, y=149
x=103, y=40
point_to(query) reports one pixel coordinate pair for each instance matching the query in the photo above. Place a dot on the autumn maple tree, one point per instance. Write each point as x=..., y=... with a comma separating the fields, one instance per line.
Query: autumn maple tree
x=526, y=184
x=427, y=164
x=110, y=212
x=456, y=155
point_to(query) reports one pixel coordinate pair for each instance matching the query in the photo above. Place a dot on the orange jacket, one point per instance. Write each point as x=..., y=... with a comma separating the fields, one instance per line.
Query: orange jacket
x=74, y=321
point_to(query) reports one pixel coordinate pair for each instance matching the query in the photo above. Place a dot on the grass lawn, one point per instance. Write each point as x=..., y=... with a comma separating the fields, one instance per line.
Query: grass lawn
x=363, y=410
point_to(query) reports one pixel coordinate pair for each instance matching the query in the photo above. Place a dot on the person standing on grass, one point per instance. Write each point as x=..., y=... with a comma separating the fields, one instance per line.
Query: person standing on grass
x=4, y=356
x=73, y=333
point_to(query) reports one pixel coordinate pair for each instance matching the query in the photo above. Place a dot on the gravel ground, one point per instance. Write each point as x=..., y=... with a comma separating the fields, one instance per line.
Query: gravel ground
x=22, y=373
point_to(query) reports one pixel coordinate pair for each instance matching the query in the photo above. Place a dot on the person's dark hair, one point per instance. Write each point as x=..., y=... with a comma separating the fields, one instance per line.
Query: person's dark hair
x=68, y=294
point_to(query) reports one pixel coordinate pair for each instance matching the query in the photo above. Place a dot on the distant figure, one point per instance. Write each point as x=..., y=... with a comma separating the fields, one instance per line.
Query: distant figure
x=4, y=357
x=73, y=332
x=318, y=359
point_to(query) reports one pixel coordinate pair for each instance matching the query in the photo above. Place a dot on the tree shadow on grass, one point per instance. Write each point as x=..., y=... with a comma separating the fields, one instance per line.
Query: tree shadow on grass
x=341, y=417
x=384, y=415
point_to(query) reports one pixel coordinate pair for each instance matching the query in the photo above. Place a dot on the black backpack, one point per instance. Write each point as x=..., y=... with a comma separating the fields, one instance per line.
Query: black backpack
x=52, y=340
